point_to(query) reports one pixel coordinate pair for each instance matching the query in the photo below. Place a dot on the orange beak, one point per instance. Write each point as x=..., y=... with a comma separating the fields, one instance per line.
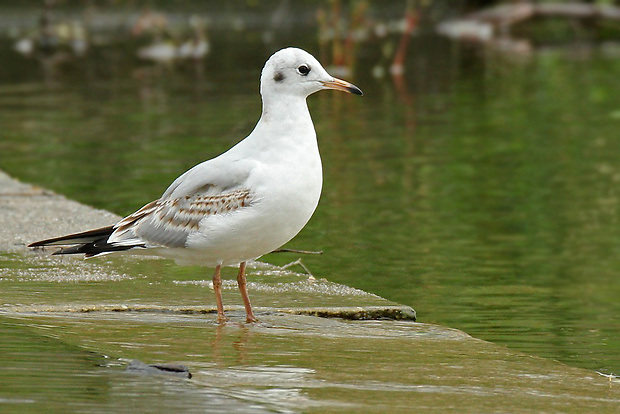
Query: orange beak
x=340, y=85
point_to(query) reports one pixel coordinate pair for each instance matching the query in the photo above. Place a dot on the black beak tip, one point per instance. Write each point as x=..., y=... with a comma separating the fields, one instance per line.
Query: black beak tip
x=355, y=90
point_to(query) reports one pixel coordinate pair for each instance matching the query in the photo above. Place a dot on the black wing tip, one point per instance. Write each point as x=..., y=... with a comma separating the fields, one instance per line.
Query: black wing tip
x=95, y=249
x=91, y=243
x=70, y=250
x=78, y=238
x=43, y=243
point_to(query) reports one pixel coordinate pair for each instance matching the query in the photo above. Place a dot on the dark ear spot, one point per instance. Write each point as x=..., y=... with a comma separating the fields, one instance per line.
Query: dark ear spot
x=278, y=77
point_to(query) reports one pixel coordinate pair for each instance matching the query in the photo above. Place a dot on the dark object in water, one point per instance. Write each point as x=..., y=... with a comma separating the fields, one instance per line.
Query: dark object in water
x=151, y=369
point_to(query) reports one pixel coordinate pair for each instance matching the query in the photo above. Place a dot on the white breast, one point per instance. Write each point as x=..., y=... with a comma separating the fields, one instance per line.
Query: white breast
x=285, y=187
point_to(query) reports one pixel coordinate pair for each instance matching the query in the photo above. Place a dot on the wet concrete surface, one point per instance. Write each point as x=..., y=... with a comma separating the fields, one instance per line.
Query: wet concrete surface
x=30, y=213
x=370, y=356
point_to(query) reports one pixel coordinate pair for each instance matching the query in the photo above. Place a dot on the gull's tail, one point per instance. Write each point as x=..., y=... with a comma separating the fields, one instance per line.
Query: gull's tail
x=90, y=243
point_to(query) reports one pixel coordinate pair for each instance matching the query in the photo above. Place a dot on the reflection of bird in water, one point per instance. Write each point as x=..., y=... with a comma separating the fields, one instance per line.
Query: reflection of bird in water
x=159, y=51
x=154, y=26
x=197, y=46
x=165, y=47
x=24, y=46
x=70, y=39
x=52, y=44
x=243, y=204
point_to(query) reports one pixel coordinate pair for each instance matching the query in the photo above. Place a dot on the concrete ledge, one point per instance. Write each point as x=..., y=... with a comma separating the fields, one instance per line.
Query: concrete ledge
x=398, y=312
x=31, y=213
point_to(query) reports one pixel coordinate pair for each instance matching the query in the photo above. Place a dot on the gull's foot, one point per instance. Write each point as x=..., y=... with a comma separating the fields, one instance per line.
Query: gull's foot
x=251, y=319
x=221, y=319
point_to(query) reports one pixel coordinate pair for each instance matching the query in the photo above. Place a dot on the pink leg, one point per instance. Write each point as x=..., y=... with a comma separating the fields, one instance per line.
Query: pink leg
x=217, y=286
x=244, y=295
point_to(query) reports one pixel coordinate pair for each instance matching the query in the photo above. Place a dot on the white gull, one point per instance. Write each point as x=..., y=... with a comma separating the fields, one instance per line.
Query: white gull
x=243, y=204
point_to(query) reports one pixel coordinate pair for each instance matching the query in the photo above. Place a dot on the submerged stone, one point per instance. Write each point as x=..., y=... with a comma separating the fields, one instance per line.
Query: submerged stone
x=139, y=367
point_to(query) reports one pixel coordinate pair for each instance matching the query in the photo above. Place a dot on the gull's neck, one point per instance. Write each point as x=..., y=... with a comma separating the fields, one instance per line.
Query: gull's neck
x=285, y=116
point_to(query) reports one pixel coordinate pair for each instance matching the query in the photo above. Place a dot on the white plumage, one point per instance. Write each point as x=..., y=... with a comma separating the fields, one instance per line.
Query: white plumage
x=244, y=203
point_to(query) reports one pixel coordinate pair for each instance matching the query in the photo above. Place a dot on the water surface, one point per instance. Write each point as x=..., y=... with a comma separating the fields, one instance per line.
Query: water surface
x=480, y=189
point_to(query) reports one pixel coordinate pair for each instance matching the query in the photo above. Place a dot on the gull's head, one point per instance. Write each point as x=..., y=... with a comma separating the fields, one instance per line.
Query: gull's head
x=296, y=72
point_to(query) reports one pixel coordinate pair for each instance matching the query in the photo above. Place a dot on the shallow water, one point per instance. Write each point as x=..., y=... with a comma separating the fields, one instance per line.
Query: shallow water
x=283, y=364
x=480, y=189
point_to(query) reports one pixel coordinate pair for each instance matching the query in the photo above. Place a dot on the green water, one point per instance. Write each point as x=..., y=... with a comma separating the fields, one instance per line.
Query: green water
x=283, y=366
x=482, y=191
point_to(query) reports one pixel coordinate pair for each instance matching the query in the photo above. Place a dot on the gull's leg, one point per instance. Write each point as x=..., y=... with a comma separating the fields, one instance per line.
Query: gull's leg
x=217, y=286
x=244, y=295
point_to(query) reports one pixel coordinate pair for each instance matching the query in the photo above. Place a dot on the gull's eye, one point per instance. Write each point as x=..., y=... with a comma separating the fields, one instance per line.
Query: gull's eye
x=303, y=70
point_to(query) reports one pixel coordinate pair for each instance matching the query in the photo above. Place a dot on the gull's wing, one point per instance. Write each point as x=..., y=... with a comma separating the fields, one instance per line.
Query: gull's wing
x=206, y=190
x=216, y=175
x=203, y=191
